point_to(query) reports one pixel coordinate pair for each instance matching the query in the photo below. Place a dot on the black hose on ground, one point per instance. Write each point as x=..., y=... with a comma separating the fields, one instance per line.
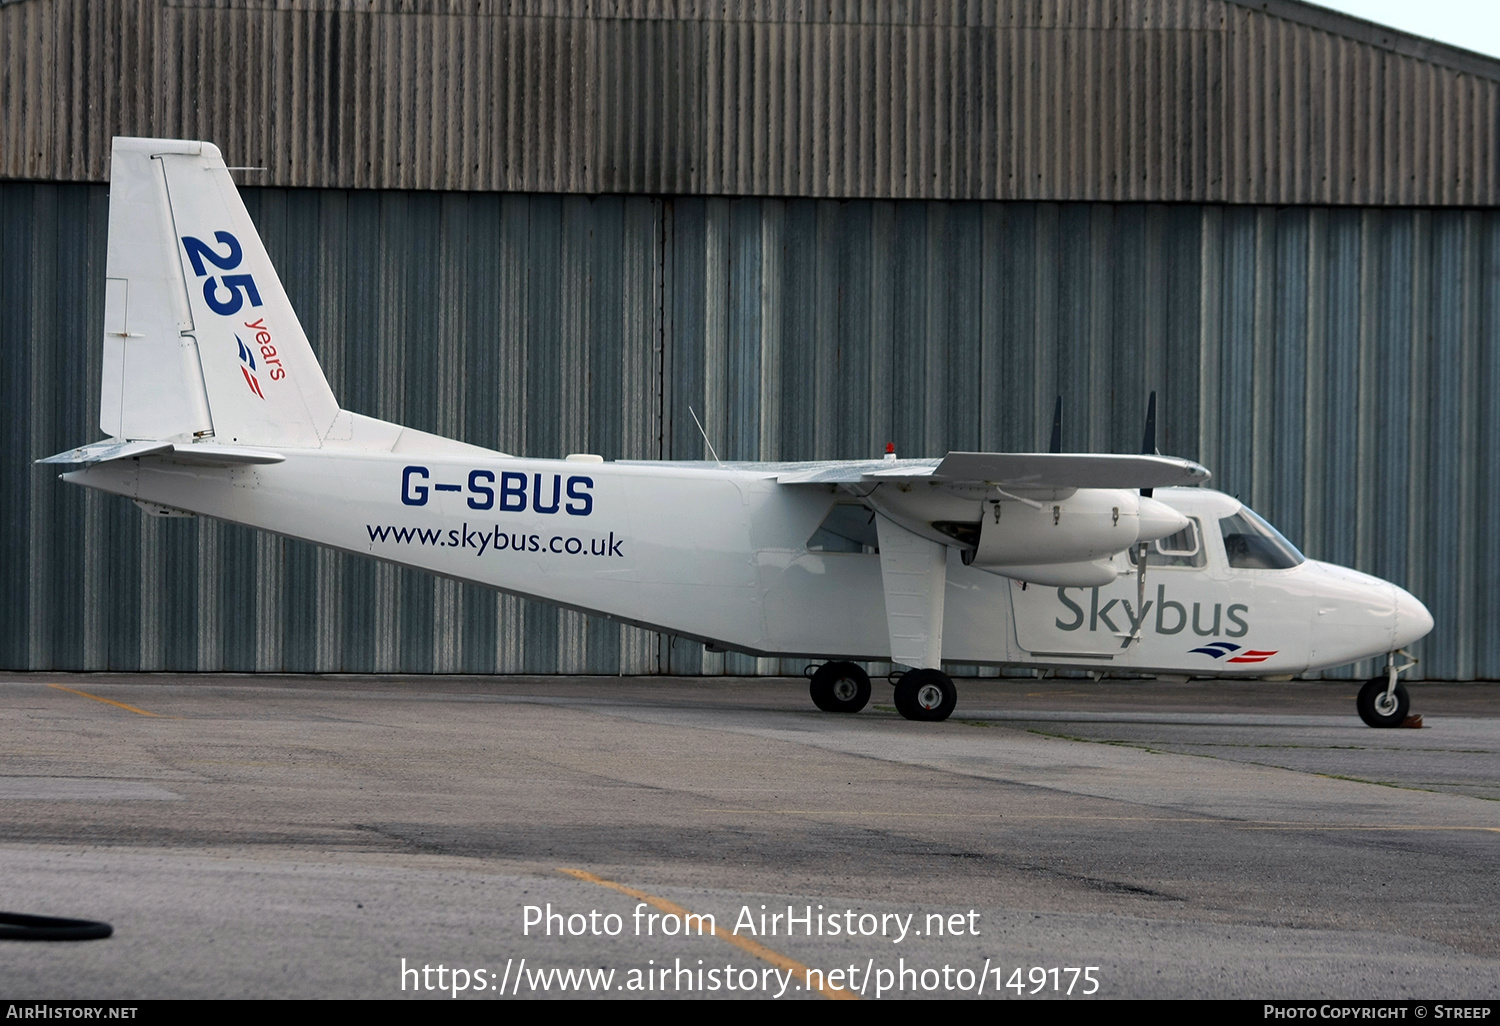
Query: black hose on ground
x=14, y=926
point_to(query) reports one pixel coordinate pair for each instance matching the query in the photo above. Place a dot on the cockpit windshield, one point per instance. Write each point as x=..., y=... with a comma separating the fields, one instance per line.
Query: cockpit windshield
x=1253, y=544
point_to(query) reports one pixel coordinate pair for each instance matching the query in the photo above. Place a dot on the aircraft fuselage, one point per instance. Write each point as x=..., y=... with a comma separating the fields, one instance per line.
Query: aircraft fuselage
x=722, y=555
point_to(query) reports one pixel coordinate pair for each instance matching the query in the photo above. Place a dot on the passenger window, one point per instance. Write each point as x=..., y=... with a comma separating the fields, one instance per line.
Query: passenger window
x=1252, y=544
x=1185, y=548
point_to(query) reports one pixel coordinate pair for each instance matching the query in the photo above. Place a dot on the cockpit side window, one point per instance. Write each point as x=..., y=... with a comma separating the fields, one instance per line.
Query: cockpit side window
x=1252, y=544
x=1184, y=549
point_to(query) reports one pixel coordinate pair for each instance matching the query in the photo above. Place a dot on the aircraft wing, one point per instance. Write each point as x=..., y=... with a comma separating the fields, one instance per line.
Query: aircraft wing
x=1070, y=470
x=1013, y=470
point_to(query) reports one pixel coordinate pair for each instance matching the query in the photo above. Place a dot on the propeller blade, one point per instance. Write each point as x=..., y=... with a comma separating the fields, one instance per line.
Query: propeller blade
x=1148, y=441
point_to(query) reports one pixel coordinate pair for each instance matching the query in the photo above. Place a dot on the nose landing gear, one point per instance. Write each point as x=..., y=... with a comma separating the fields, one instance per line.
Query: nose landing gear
x=1383, y=701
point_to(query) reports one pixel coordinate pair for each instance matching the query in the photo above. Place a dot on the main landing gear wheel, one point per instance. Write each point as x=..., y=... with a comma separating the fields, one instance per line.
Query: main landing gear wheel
x=840, y=687
x=926, y=695
x=1379, y=708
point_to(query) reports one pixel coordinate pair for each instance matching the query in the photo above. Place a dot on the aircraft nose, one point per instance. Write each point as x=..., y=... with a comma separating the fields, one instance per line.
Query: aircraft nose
x=1413, y=621
x=1158, y=520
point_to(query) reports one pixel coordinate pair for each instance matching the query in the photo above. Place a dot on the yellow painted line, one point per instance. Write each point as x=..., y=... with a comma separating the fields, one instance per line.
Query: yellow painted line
x=760, y=951
x=106, y=701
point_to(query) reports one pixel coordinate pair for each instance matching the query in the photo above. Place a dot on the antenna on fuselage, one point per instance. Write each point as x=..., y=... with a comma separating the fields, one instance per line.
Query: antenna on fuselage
x=705, y=437
x=1056, y=445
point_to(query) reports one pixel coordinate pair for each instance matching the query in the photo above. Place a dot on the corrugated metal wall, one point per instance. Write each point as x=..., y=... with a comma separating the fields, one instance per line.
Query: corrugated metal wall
x=1113, y=100
x=1332, y=366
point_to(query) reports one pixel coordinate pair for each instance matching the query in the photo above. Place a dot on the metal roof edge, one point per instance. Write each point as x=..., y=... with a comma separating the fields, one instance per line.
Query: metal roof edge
x=1407, y=44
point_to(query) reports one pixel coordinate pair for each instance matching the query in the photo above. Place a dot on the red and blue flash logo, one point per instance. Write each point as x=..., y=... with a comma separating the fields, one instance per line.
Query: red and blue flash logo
x=1220, y=649
x=248, y=358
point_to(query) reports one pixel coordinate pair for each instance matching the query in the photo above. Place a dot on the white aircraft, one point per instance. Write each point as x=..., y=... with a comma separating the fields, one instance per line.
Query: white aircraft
x=215, y=405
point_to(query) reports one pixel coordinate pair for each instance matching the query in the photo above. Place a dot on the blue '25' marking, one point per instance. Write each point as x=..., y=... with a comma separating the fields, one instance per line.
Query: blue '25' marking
x=239, y=286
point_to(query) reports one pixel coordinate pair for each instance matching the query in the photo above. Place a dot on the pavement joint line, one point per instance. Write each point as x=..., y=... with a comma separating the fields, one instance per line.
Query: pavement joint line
x=1146, y=746
x=111, y=701
x=1242, y=824
x=971, y=815
x=1394, y=826
x=760, y=951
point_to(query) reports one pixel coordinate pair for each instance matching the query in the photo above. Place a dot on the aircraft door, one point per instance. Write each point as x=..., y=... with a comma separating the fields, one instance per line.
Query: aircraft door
x=1067, y=621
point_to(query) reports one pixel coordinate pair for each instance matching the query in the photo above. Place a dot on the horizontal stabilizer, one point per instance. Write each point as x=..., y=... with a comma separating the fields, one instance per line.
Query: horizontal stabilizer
x=220, y=455
x=104, y=452
x=168, y=452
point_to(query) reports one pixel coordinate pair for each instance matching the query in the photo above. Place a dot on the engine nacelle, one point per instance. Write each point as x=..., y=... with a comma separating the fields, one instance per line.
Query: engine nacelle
x=1091, y=524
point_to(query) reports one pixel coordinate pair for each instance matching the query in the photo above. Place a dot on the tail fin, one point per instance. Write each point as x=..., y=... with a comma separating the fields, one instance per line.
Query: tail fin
x=199, y=337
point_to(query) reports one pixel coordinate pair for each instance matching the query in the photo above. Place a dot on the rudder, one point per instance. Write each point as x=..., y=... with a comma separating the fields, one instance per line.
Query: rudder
x=200, y=338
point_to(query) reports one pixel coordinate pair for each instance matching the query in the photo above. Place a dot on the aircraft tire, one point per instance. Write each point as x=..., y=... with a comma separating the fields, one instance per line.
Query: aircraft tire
x=1375, y=710
x=840, y=687
x=927, y=695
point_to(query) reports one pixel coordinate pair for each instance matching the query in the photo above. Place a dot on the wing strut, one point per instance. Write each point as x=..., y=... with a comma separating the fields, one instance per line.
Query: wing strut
x=913, y=572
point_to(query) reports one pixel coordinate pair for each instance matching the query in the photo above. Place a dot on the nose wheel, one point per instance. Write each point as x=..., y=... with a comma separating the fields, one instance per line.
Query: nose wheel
x=926, y=695
x=1379, y=706
x=1383, y=701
